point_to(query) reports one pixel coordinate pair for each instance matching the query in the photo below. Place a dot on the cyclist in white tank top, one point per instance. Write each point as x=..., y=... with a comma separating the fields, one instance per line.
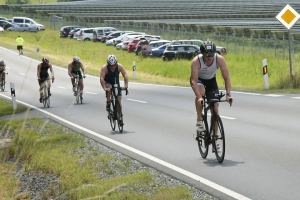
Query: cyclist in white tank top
x=203, y=78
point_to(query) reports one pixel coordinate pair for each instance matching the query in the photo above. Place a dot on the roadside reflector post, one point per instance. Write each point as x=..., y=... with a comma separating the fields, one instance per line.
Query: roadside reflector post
x=13, y=95
x=134, y=69
x=265, y=73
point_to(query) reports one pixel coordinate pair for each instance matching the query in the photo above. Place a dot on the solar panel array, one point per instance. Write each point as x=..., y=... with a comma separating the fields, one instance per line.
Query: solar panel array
x=231, y=16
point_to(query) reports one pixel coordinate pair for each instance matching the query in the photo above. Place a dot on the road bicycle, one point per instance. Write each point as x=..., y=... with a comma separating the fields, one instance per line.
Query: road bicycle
x=215, y=133
x=45, y=95
x=115, y=110
x=2, y=83
x=77, y=91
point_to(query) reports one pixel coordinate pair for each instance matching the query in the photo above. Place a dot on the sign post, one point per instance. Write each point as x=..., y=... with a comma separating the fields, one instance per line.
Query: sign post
x=13, y=95
x=134, y=69
x=288, y=17
x=265, y=73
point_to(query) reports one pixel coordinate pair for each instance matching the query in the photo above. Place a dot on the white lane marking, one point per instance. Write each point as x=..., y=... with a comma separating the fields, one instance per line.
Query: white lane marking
x=295, y=97
x=137, y=101
x=224, y=117
x=246, y=93
x=273, y=95
x=61, y=87
x=22, y=74
x=90, y=92
x=148, y=156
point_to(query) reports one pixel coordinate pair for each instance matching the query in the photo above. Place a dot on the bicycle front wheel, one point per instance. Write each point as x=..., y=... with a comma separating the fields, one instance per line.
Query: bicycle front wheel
x=48, y=101
x=111, y=116
x=219, y=139
x=202, y=140
x=119, y=116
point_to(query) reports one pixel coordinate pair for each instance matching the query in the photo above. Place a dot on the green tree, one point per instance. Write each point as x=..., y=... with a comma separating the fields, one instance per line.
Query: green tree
x=16, y=1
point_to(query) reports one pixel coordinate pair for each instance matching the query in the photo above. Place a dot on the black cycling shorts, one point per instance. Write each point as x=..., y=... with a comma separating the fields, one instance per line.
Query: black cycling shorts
x=210, y=85
x=79, y=73
x=119, y=89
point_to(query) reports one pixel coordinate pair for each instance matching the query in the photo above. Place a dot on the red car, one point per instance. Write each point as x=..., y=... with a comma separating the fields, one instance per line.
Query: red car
x=133, y=43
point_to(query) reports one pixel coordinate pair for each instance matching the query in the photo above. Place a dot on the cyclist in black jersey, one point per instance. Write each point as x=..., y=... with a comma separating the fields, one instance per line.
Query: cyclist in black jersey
x=203, y=78
x=42, y=74
x=109, y=75
x=2, y=69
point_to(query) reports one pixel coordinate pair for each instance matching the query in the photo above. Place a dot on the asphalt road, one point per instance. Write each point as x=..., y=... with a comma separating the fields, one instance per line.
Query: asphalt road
x=262, y=131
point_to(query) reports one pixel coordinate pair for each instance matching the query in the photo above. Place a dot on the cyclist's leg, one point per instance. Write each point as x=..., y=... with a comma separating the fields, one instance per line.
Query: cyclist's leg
x=41, y=84
x=108, y=94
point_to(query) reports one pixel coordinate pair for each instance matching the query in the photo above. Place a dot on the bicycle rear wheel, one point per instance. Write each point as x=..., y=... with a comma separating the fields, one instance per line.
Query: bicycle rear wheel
x=111, y=116
x=119, y=116
x=219, y=139
x=80, y=98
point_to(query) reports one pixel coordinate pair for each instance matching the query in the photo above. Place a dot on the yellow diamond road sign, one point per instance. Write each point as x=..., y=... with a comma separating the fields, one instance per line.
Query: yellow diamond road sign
x=288, y=16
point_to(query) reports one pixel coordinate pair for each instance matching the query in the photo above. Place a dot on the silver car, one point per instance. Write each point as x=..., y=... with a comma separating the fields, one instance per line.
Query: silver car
x=24, y=28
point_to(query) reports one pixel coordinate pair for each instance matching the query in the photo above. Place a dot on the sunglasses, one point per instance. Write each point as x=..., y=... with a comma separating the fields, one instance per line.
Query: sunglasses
x=208, y=55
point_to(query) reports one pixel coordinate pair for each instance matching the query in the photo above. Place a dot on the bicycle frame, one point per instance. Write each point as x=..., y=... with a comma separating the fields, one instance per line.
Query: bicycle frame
x=214, y=133
x=45, y=97
x=2, y=84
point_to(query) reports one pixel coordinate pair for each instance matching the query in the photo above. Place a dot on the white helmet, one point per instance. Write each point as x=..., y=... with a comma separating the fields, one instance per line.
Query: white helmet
x=112, y=60
x=76, y=59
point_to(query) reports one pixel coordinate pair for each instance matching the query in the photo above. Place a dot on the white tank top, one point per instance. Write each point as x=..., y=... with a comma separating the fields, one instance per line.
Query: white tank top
x=207, y=72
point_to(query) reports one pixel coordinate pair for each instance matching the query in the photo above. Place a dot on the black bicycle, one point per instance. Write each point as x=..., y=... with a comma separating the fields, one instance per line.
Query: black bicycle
x=215, y=133
x=115, y=110
x=2, y=83
x=77, y=92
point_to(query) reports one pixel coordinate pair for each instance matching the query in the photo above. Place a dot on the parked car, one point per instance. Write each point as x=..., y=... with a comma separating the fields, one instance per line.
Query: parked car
x=146, y=49
x=7, y=25
x=184, y=51
x=119, y=39
x=100, y=31
x=3, y=23
x=85, y=34
x=65, y=30
x=3, y=18
x=220, y=50
x=133, y=43
x=158, y=52
x=25, y=20
x=24, y=28
x=115, y=34
x=72, y=32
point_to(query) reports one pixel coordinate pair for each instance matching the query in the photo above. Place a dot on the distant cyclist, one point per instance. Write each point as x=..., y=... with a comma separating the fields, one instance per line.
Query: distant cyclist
x=203, y=78
x=74, y=69
x=42, y=74
x=2, y=69
x=20, y=42
x=109, y=75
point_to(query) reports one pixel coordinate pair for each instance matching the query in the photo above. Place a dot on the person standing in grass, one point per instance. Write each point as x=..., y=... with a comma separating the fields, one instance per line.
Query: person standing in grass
x=203, y=78
x=20, y=41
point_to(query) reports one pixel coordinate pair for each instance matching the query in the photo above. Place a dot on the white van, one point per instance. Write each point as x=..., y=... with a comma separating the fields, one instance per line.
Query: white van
x=98, y=32
x=25, y=20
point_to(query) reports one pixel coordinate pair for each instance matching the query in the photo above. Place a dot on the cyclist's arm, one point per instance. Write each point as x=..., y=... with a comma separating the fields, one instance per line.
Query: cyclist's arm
x=82, y=69
x=124, y=74
x=38, y=71
x=195, y=66
x=102, y=76
x=51, y=70
x=225, y=73
x=70, y=70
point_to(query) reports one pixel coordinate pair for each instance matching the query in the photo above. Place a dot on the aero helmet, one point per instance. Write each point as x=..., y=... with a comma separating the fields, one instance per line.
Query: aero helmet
x=45, y=60
x=76, y=59
x=208, y=48
x=112, y=60
x=2, y=62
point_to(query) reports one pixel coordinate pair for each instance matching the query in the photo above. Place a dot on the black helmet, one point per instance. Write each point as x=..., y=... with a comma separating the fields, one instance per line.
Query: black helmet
x=208, y=48
x=2, y=62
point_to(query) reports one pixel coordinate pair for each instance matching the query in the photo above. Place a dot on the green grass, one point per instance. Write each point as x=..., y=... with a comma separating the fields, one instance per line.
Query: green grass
x=47, y=148
x=245, y=69
x=6, y=108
